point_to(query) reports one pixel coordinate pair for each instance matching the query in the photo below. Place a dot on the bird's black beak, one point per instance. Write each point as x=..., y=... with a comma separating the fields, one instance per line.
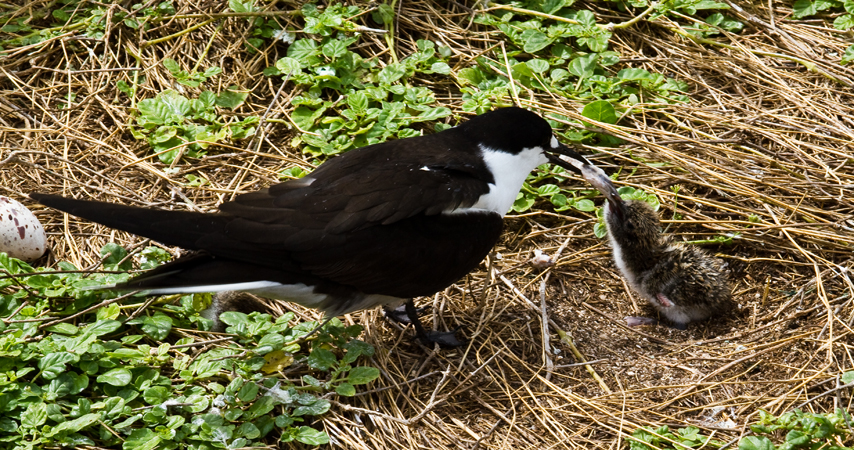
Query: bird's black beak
x=567, y=158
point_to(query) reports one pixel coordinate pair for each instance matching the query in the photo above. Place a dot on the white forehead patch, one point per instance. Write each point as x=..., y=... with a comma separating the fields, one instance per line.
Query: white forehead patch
x=554, y=142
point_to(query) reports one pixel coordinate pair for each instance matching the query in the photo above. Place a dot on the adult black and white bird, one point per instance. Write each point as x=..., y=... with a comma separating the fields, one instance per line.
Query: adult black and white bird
x=682, y=282
x=375, y=226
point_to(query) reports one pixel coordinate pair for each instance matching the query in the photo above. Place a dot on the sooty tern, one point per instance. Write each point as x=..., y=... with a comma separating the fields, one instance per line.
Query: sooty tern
x=375, y=226
x=682, y=282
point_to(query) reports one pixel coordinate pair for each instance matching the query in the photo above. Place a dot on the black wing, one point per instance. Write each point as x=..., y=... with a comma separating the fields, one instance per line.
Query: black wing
x=346, y=222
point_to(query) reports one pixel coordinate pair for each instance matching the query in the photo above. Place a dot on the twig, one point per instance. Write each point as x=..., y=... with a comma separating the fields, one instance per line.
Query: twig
x=547, y=348
x=564, y=337
x=91, y=308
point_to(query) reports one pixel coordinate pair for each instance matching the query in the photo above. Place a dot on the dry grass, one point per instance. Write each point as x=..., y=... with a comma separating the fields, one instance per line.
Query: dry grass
x=762, y=136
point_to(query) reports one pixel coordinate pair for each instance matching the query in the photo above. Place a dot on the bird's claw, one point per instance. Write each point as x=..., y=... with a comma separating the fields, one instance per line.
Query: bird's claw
x=633, y=321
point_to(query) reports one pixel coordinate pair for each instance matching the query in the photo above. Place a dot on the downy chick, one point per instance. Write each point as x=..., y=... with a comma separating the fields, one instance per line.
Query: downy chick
x=684, y=283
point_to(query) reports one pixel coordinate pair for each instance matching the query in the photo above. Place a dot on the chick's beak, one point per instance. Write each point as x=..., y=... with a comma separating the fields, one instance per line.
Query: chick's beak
x=597, y=178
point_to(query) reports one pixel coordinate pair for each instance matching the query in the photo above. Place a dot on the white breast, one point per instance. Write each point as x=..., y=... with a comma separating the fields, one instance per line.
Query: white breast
x=509, y=172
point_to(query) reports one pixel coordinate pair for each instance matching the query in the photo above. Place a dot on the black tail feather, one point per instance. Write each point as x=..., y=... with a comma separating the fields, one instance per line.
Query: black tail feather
x=178, y=228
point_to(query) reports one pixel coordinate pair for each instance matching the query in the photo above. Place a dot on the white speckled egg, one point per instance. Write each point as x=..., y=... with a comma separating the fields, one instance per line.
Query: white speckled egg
x=21, y=234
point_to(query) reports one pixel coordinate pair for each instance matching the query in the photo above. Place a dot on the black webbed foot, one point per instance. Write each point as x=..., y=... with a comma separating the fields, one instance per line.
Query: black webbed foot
x=400, y=315
x=408, y=313
x=447, y=339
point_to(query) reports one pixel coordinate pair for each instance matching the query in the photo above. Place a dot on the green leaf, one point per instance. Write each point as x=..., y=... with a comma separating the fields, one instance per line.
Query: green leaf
x=358, y=101
x=552, y=6
x=537, y=65
x=363, y=375
x=116, y=377
x=586, y=17
x=558, y=75
x=634, y=74
x=433, y=114
x=334, y=49
x=521, y=70
x=534, y=40
x=248, y=430
x=385, y=13
x=248, y=392
x=207, y=98
x=124, y=87
x=317, y=407
x=63, y=328
x=156, y=395
x=142, y=438
x=151, y=257
x=847, y=377
x=231, y=98
x=288, y=65
x=168, y=107
x=470, y=75
x=559, y=200
x=35, y=415
x=523, y=202
x=73, y=426
x=756, y=443
x=302, y=50
x=163, y=134
x=547, y=190
x=844, y=22
x=321, y=359
x=601, y=111
x=53, y=364
x=310, y=436
x=797, y=438
x=585, y=205
x=440, y=67
x=171, y=65
x=157, y=326
x=103, y=327
x=803, y=8
x=262, y=406
x=345, y=390
x=848, y=56
x=583, y=66
x=600, y=230
x=392, y=73
x=116, y=255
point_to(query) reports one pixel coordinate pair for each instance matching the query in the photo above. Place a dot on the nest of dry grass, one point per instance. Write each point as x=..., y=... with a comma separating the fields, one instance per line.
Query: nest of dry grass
x=763, y=150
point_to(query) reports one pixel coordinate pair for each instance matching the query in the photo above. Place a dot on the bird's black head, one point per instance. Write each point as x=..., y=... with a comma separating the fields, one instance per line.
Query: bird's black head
x=513, y=130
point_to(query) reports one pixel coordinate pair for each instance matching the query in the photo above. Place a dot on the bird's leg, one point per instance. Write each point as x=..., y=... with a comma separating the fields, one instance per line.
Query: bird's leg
x=400, y=315
x=634, y=321
x=445, y=339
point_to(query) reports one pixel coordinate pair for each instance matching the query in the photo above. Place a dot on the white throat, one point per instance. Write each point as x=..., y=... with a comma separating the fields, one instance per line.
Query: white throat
x=509, y=172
